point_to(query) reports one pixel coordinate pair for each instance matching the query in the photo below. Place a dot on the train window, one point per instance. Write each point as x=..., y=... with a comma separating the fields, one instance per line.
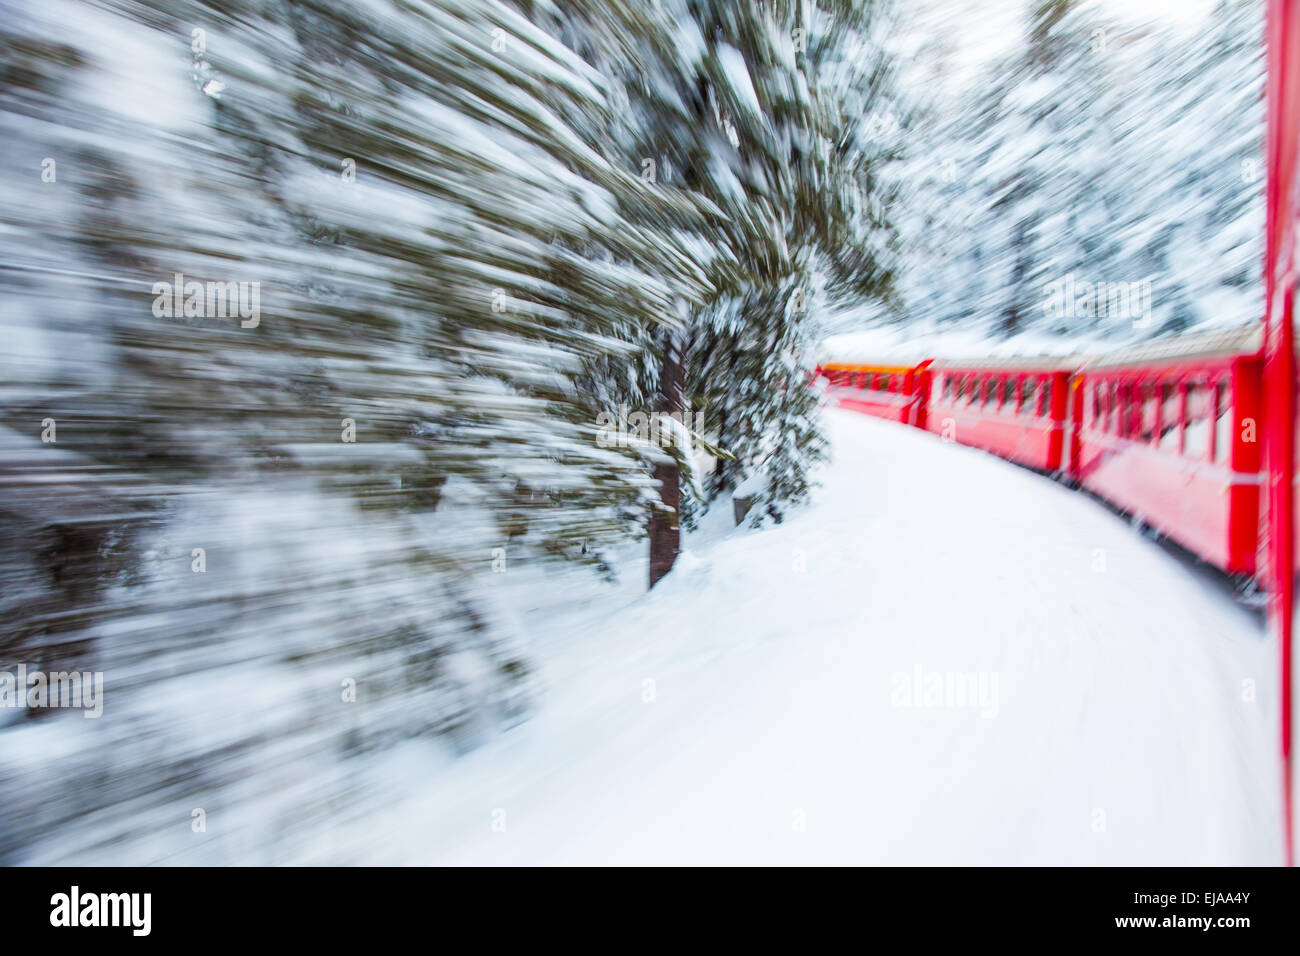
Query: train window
x=1197, y=434
x=1223, y=422
x=1170, y=425
x=1045, y=397
x=1149, y=412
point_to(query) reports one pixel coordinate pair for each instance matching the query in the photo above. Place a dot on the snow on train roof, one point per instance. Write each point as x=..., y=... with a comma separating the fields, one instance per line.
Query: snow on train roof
x=888, y=346
x=1243, y=340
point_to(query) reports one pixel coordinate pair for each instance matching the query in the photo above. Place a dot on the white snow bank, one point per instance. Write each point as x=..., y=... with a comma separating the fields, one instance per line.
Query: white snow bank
x=758, y=706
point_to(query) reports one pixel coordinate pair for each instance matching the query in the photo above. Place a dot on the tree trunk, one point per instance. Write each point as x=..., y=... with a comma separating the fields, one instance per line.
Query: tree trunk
x=665, y=527
x=1011, y=315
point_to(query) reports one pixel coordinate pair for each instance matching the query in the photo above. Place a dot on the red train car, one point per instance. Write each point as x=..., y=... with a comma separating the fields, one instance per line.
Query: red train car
x=1170, y=432
x=1013, y=408
x=886, y=391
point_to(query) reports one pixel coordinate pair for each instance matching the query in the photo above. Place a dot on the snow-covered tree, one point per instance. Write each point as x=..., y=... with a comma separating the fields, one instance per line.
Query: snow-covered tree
x=1101, y=150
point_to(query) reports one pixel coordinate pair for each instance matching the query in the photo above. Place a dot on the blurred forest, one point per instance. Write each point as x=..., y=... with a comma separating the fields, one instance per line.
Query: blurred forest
x=474, y=226
x=1114, y=148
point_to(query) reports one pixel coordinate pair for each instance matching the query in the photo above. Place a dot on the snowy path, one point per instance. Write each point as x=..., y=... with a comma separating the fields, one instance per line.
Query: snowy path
x=1116, y=731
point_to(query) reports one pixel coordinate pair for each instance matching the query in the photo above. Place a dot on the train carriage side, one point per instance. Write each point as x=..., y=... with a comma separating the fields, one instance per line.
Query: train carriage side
x=1014, y=409
x=1170, y=432
x=884, y=391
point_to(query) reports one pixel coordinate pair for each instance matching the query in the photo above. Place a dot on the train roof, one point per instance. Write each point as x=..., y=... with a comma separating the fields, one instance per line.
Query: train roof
x=1244, y=340
x=1009, y=363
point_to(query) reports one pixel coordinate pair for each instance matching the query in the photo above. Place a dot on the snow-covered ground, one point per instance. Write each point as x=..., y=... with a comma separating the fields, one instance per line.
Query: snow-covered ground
x=760, y=706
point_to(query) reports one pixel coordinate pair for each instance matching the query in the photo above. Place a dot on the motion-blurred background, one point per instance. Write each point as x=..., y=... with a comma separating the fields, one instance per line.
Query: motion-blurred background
x=310, y=312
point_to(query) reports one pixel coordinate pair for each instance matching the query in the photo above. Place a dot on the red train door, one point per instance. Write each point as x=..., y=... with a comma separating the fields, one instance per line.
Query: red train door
x=922, y=381
x=1074, y=427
